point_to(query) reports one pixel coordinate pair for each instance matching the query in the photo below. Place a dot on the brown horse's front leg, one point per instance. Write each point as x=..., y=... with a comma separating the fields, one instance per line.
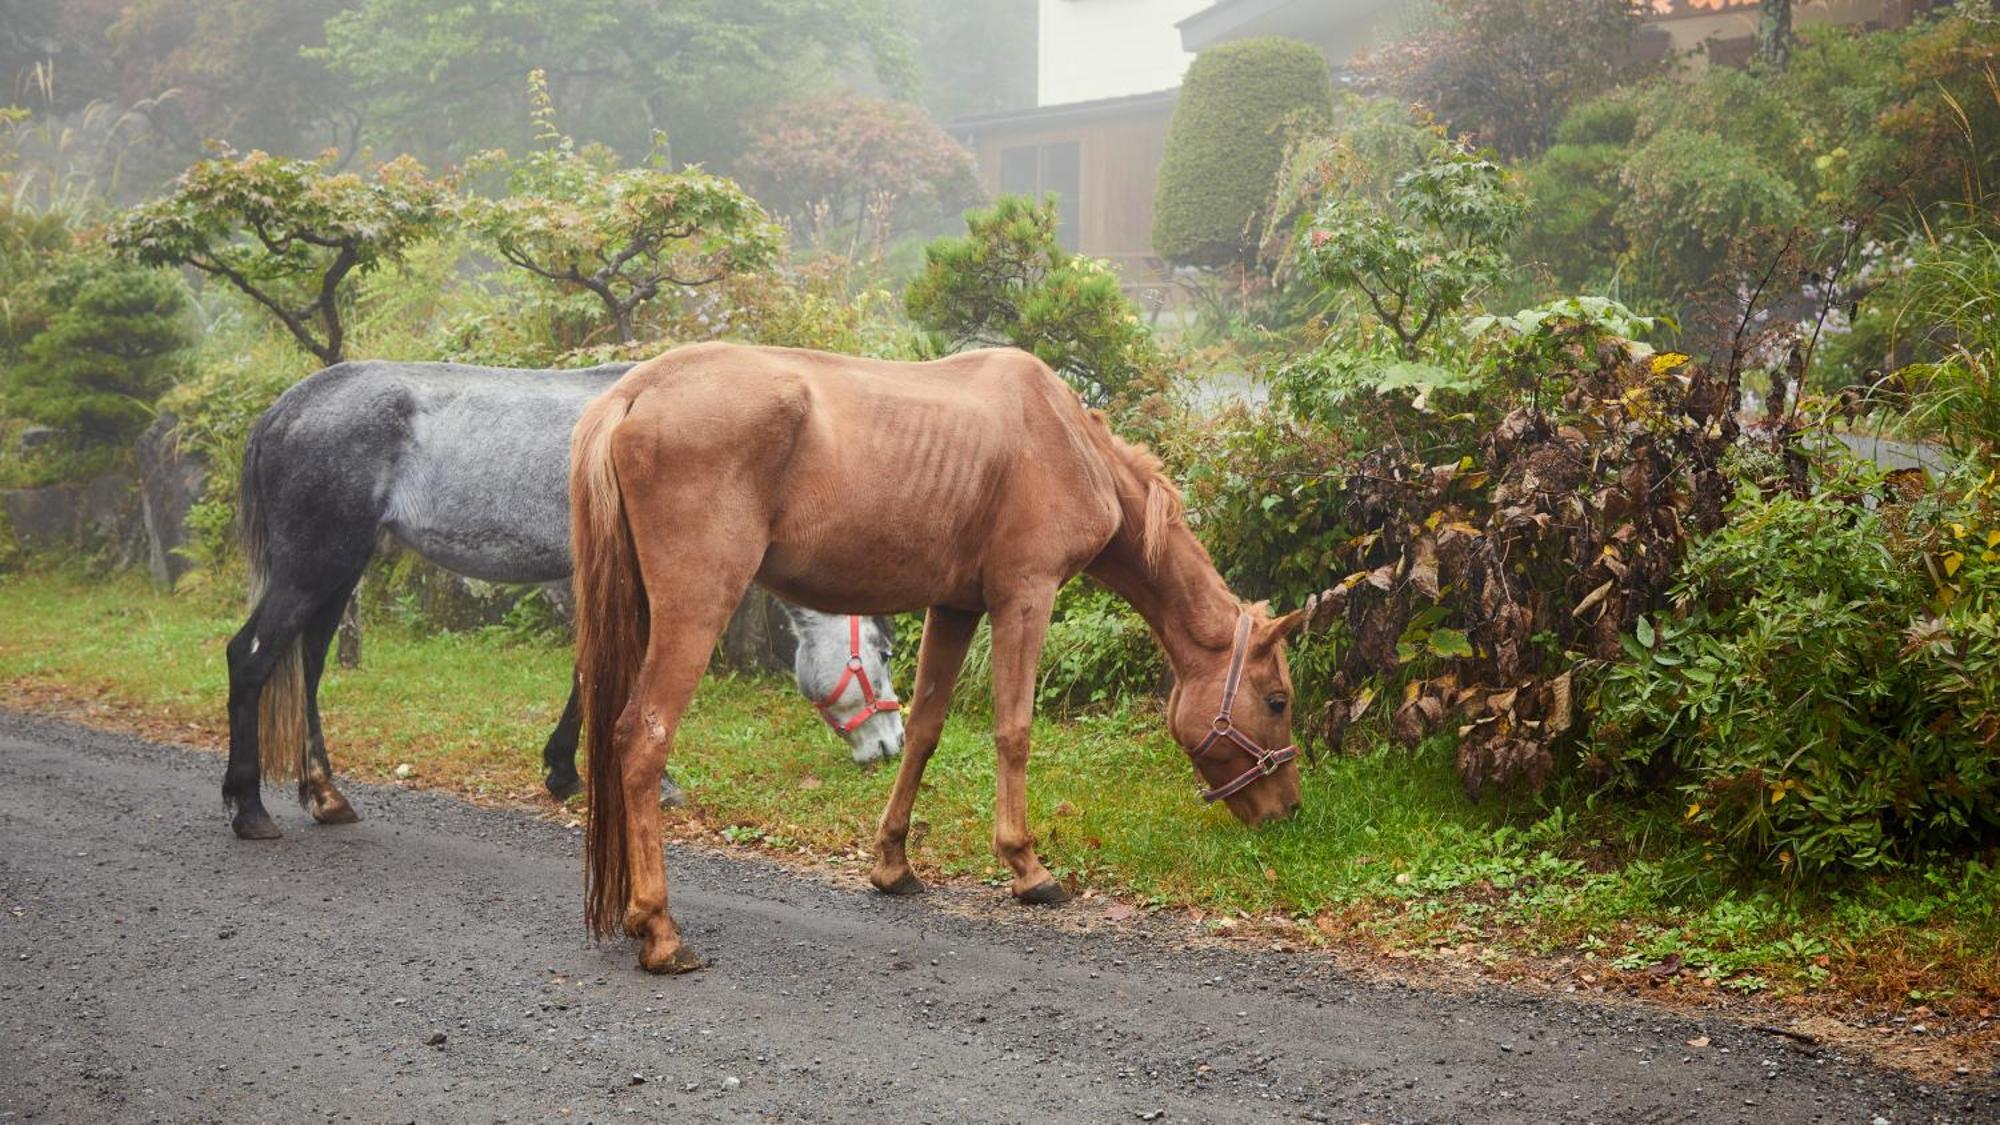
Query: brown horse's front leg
x=1019, y=628
x=947, y=634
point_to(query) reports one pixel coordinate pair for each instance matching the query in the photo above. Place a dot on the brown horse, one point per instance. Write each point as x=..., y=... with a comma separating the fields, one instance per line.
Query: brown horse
x=716, y=465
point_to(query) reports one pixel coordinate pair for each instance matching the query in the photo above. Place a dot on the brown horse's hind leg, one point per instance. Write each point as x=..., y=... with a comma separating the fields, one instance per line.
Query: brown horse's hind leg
x=947, y=634
x=693, y=583
x=676, y=655
x=1019, y=628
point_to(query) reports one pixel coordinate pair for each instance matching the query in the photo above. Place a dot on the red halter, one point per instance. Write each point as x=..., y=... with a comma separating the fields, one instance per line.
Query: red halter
x=1265, y=762
x=857, y=671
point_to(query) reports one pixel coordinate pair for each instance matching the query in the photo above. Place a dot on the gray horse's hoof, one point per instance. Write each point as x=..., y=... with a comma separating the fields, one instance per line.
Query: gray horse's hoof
x=342, y=813
x=906, y=884
x=1044, y=894
x=255, y=826
x=671, y=795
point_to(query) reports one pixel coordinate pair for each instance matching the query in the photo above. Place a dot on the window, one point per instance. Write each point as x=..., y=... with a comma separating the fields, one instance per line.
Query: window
x=1051, y=169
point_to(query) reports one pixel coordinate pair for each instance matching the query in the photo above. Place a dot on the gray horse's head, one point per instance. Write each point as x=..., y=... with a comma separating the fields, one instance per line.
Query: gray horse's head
x=826, y=648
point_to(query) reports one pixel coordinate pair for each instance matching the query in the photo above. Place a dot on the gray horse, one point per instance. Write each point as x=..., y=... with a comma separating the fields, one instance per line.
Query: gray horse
x=468, y=467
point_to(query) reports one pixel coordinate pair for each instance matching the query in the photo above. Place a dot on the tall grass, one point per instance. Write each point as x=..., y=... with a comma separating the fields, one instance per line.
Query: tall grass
x=1954, y=290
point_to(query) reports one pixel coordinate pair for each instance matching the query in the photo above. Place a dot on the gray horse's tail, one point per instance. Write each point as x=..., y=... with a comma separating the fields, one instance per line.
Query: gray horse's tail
x=281, y=705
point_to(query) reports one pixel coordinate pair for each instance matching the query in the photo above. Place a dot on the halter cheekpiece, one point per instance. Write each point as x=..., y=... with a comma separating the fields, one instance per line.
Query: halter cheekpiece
x=1264, y=762
x=871, y=704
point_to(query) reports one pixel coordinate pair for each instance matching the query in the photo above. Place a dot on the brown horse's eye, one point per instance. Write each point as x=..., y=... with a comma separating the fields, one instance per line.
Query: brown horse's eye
x=1277, y=704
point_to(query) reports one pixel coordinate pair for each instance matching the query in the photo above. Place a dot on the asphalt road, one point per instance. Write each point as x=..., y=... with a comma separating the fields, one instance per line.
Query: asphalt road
x=428, y=964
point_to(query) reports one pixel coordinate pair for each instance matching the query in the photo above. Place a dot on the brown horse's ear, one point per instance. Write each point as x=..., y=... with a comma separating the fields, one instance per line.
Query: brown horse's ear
x=1284, y=627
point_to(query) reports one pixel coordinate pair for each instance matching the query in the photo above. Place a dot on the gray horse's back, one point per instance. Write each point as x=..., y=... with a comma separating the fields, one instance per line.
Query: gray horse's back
x=467, y=466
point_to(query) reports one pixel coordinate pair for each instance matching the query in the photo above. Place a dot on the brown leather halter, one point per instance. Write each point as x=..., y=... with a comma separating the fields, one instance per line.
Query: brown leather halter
x=1264, y=762
x=871, y=704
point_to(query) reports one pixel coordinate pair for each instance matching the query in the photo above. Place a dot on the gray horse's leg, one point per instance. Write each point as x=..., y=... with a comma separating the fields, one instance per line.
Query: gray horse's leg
x=326, y=802
x=559, y=758
x=253, y=655
x=559, y=754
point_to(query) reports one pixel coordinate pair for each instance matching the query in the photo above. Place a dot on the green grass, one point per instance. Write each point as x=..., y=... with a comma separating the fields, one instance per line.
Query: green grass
x=1388, y=853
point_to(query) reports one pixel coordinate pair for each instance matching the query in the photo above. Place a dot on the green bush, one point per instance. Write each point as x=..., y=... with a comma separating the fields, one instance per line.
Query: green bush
x=1828, y=691
x=111, y=346
x=1688, y=197
x=1419, y=257
x=1007, y=282
x=1238, y=106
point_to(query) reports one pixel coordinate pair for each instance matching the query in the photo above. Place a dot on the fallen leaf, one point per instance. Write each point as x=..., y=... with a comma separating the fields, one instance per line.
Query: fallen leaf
x=1120, y=912
x=1698, y=1041
x=810, y=782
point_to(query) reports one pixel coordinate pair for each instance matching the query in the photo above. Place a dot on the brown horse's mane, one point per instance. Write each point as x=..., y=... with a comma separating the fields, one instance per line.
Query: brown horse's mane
x=1144, y=484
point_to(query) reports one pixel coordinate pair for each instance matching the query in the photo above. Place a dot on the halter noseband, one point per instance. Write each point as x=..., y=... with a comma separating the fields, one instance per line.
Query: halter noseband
x=871, y=704
x=1265, y=762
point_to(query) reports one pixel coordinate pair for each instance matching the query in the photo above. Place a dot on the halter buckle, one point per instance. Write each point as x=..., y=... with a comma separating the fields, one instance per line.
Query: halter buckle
x=1220, y=724
x=855, y=664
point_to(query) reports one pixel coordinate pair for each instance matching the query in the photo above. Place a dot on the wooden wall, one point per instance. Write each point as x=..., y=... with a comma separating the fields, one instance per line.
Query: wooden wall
x=1119, y=158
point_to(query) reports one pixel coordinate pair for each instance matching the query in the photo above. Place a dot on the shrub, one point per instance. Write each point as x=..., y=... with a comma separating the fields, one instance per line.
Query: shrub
x=1418, y=259
x=1238, y=106
x=112, y=346
x=1688, y=197
x=1510, y=522
x=1827, y=687
x=1098, y=652
x=852, y=162
x=1007, y=282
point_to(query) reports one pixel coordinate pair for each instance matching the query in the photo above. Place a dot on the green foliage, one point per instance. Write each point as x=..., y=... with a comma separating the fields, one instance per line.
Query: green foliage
x=1418, y=258
x=1688, y=198
x=287, y=232
x=849, y=162
x=1570, y=228
x=1649, y=190
x=1946, y=301
x=1239, y=105
x=1265, y=496
x=113, y=344
x=626, y=235
x=1829, y=688
x=1098, y=654
x=1008, y=282
x=1821, y=697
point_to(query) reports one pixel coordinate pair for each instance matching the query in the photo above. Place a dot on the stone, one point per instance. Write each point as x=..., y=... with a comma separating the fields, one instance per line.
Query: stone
x=171, y=481
x=99, y=516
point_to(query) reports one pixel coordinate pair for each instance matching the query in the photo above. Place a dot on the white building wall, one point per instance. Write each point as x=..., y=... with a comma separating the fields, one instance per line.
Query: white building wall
x=1092, y=49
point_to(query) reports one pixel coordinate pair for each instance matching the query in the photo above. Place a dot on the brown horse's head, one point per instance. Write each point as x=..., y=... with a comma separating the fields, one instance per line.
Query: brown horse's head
x=1230, y=739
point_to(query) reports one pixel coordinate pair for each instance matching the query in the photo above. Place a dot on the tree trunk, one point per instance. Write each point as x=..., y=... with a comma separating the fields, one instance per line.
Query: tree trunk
x=348, y=652
x=1774, y=34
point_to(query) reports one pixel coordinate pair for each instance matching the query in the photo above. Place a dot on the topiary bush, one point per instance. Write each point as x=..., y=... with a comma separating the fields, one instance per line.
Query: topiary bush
x=1239, y=106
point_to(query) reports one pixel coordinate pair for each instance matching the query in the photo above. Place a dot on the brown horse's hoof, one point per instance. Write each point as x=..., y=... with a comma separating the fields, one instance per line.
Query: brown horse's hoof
x=255, y=826
x=905, y=884
x=1043, y=894
x=683, y=959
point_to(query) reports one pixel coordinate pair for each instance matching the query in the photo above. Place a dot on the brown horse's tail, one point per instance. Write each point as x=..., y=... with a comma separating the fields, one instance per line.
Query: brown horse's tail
x=281, y=705
x=612, y=619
